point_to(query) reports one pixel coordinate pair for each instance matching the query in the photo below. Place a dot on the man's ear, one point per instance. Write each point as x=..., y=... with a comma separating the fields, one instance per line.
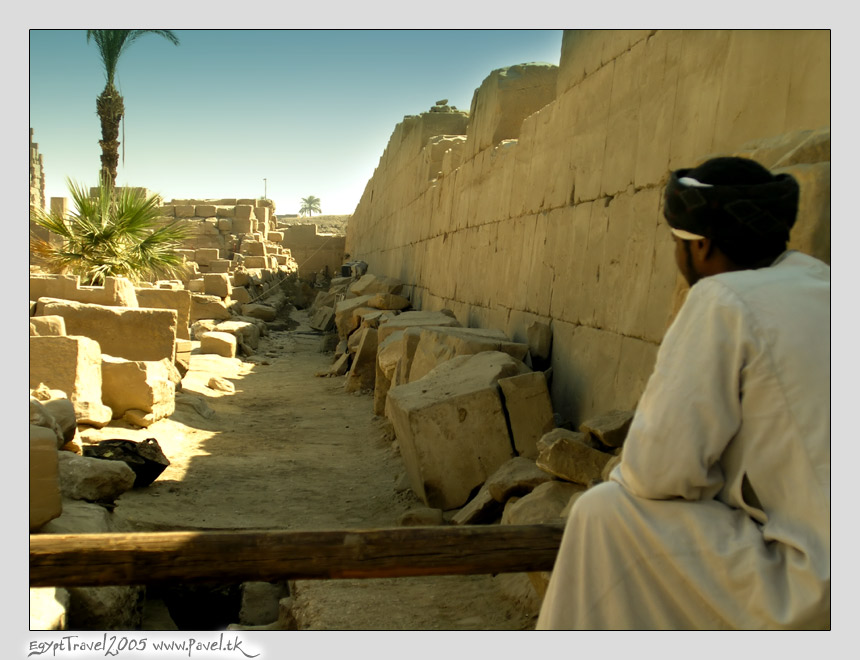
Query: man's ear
x=706, y=247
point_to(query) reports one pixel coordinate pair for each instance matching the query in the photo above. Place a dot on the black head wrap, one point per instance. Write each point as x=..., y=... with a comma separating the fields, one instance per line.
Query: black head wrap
x=741, y=204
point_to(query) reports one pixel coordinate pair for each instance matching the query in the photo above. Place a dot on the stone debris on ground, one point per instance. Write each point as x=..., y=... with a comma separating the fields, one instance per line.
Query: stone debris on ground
x=466, y=416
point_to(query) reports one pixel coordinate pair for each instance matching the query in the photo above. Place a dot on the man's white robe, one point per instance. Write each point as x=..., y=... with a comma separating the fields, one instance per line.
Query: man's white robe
x=718, y=515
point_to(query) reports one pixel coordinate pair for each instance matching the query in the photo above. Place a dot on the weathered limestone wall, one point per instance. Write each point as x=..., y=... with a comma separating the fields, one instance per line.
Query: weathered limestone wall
x=547, y=205
x=115, y=291
x=314, y=252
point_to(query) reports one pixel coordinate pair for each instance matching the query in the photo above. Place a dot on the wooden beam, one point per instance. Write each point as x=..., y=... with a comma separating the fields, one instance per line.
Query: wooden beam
x=262, y=555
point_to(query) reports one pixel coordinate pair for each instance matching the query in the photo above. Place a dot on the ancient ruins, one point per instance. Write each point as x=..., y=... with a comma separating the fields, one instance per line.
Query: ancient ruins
x=508, y=282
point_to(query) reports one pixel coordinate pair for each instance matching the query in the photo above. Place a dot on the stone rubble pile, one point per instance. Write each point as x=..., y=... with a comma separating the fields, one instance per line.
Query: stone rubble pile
x=472, y=417
x=118, y=352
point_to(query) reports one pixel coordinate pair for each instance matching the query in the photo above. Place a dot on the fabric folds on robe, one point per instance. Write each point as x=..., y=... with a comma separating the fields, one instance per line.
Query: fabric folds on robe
x=718, y=516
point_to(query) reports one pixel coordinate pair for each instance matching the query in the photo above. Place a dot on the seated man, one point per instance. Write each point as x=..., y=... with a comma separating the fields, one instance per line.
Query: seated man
x=718, y=516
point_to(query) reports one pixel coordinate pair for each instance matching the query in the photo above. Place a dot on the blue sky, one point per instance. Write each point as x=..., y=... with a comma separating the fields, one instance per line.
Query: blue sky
x=309, y=111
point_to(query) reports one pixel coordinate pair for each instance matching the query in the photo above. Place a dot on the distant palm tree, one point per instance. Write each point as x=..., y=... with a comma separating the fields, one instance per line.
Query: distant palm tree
x=109, y=105
x=310, y=205
x=112, y=233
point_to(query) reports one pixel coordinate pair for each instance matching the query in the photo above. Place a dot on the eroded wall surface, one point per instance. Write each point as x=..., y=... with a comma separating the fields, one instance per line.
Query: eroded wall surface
x=550, y=208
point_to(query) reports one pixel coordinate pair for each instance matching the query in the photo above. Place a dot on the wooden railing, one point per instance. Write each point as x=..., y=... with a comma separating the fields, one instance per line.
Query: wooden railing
x=264, y=555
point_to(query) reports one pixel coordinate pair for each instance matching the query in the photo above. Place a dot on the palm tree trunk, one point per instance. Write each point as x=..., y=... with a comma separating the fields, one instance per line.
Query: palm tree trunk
x=110, y=109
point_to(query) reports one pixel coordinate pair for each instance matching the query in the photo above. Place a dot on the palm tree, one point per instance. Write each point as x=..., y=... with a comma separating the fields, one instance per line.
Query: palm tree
x=112, y=233
x=310, y=205
x=109, y=105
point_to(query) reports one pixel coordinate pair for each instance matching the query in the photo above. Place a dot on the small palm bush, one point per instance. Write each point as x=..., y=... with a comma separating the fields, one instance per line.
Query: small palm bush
x=113, y=233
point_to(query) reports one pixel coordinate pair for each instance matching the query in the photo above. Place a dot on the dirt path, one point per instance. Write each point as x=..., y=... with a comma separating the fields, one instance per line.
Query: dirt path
x=289, y=450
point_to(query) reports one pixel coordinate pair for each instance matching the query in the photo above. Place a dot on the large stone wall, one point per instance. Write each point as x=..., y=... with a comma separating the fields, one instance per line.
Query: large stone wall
x=546, y=204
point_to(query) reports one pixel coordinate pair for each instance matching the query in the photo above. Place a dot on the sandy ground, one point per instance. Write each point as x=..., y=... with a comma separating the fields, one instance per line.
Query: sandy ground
x=290, y=450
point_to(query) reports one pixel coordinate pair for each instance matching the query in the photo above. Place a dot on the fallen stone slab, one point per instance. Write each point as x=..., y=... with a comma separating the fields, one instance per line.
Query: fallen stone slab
x=323, y=319
x=245, y=332
x=71, y=364
x=372, y=284
x=569, y=456
x=137, y=385
x=177, y=300
x=421, y=517
x=134, y=333
x=63, y=413
x=439, y=344
x=518, y=477
x=208, y=307
x=481, y=509
x=218, y=343
x=416, y=318
x=539, y=338
x=259, y=311
x=362, y=371
x=610, y=428
x=451, y=427
x=543, y=505
x=46, y=326
x=93, y=479
x=347, y=314
x=389, y=301
x=39, y=416
x=529, y=410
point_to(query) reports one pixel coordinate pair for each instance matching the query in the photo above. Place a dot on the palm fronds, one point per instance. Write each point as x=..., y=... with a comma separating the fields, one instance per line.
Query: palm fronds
x=112, y=233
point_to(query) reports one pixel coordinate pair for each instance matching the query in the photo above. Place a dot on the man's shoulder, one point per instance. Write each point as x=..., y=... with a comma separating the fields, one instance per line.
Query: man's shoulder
x=791, y=269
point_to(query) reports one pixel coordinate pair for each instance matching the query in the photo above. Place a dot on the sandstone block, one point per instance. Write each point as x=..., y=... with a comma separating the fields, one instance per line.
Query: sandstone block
x=529, y=410
x=260, y=311
x=218, y=343
x=610, y=429
x=256, y=262
x=93, y=479
x=345, y=315
x=137, y=385
x=543, y=505
x=481, y=509
x=243, y=225
x=39, y=416
x=519, y=476
x=208, y=307
x=73, y=365
x=276, y=237
x=63, y=413
x=388, y=301
x=451, y=426
x=243, y=212
x=45, y=502
x=323, y=319
x=205, y=210
x=219, y=266
x=47, y=326
x=178, y=300
x=240, y=294
x=362, y=373
x=416, y=319
x=217, y=284
x=254, y=248
x=421, y=517
x=195, y=285
x=205, y=256
x=245, y=332
x=567, y=455
x=225, y=211
x=371, y=284
x=184, y=210
x=439, y=344
x=133, y=333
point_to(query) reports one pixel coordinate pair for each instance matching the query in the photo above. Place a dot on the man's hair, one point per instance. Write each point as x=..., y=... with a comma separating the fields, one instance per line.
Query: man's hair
x=745, y=210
